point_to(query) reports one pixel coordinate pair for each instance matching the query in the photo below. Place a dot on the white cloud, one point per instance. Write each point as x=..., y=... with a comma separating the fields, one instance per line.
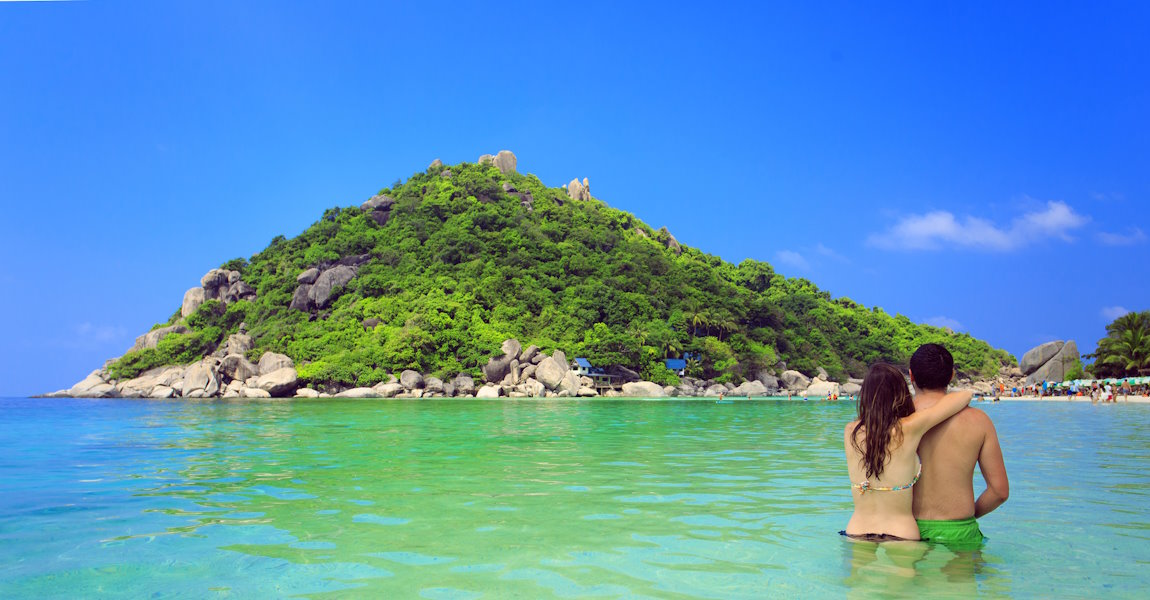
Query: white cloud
x=793, y=259
x=1131, y=237
x=829, y=253
x=100, y=333
x=1113, y=312
x=946, y=322
x=938, y=229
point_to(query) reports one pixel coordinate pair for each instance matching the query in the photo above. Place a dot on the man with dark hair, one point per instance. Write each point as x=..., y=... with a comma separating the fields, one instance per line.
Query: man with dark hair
x=944, y=502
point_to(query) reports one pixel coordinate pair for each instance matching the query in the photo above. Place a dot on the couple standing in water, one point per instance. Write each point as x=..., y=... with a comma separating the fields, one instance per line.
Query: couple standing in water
x=911, y=458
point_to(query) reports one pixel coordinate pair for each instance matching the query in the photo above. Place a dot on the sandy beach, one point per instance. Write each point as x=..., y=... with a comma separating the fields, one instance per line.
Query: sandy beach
x=1121, y=399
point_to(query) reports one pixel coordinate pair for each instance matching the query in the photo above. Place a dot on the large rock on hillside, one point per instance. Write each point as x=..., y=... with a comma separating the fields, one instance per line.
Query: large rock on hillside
x=528, y=354
x=281, y=383
x=1038, y=356
x=793, y=380
x=239, y=291
x=200, y=381
x=643, y=389
x=327, y=283
x=239, y=343
x=1056, y=368
x=274, y=361
x=770, y=382
x=551, y=372
x=378, y=208
x=497, y=368
x=579, y=191
x=236, y=367
x=215, y=283
x=308, y=276
x=512, y=347
x=193, y=298
x=505, y=161
x=150, y=339
x=411, y=379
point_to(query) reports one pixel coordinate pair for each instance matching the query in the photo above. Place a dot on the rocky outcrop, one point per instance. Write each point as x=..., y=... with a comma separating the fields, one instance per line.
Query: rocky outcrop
x=822, y=388
x=378, y=208
x=153, y=337
x=273, y=361
x=193, y=298
x=1038, y=356
x=280, y=383
x=411, y=379
x=505, y=161
x=669, y=240
x=643, y=389
x=579, y=191
x=850, y=389
x=795, y=381
x=1057, y=366
x=435, y=164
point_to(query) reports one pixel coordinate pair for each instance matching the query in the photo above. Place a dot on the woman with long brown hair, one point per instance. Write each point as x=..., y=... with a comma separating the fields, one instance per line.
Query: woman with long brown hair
x=882, y=453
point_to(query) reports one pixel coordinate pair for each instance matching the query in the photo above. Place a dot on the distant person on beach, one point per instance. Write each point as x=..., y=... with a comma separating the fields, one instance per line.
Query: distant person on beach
x=944, y=502
x=881, y=448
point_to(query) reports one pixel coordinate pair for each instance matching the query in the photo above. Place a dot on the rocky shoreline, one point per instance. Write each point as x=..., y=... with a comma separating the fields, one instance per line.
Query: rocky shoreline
x=516, y=373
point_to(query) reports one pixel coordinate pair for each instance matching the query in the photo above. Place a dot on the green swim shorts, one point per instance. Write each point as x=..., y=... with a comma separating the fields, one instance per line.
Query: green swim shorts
x=959, y=534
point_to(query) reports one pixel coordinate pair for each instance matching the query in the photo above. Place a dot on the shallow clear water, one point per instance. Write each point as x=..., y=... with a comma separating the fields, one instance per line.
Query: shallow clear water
x=531, y=499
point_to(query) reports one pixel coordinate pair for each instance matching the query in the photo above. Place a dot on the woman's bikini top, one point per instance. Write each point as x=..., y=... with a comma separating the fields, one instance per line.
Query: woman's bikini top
x=865, y=486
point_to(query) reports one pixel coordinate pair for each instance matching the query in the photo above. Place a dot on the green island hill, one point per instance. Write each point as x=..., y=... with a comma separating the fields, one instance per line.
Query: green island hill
x=433, y=287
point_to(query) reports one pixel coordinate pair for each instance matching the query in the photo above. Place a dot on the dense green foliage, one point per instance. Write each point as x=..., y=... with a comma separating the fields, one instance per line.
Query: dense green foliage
x=461, y=265
x=1125, y=351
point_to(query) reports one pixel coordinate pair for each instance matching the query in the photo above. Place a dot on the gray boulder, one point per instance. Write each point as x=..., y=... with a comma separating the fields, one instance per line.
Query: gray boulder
x=359, y=392
x=528, y=354
x=308, y=276
x=200, y=378
x=769, y=381
x=715, y=390
x=1055, y=369
x=561, y=358
x=306, y=393
x=850, y=389
x=193, y=298
x=793, y=380
x=215, y=283
x=280, y=383
x=388, y=390
x=485, y=159
x=643, y=389
x=550, y=372
x=150, y=339
x=570, y=384
x=274, y=361
x=505, y=161
x=433, y=385
x=378, y=208
x=435, y=164
x=820, y=388
x=370, y=324
x=497, y=368
x=579, y=191
x=750, y=388
x=237, y=368
x=464, y=385
x=300, y=299
x=239, y=343
x=1038, y=356
x=489, y=391
x=92, y=380
x=254, y=393
x=239, y=291
x=328, y=282
x=511, y=347
x=411, y=379
x=822, y=374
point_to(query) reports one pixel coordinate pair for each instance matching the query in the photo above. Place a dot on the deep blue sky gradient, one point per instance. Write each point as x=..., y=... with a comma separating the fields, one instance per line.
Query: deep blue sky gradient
x=978, y=166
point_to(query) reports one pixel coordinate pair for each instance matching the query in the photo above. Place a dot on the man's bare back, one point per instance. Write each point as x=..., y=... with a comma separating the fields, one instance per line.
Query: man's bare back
x=949, y=453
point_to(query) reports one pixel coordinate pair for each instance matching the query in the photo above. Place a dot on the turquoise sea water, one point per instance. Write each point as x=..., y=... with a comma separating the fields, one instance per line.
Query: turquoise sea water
x=533, y=499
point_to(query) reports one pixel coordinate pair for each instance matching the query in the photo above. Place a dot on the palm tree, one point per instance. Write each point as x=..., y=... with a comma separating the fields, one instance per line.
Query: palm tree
x=1130, y=351
x=1127, y=347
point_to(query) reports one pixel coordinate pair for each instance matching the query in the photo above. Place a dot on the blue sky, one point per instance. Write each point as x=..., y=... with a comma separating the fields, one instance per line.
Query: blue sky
x=977, y=166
